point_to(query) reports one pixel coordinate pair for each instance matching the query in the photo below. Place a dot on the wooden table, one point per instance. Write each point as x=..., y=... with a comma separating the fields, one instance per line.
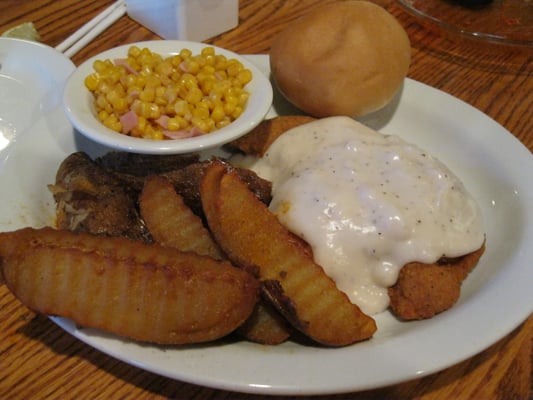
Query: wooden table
x=39, y=360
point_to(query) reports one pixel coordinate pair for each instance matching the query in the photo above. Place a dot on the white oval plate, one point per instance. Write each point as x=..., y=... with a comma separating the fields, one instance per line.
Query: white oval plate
x=495, y=298
x=31, y=80
x=79, y=104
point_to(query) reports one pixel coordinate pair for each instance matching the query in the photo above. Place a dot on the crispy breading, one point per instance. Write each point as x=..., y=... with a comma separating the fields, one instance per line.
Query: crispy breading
x=255, y=240
x=258, y=140
x=171, y=222
x=145, y=292
x=424, y=290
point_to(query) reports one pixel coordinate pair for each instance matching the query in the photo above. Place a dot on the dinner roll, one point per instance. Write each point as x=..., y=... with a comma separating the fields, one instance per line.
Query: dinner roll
x=345, y=58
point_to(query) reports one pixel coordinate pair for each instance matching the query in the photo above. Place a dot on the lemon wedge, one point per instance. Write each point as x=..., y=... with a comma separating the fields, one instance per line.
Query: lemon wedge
x=23, y=31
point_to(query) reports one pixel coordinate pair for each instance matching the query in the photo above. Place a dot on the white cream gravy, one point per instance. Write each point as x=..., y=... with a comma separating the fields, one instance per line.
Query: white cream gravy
x=367, y=204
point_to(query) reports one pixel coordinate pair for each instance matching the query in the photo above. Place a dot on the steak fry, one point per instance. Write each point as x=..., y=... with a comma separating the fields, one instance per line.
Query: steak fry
x=145, y=292
x=255, y=240
x=171, y=223
x=264, y=325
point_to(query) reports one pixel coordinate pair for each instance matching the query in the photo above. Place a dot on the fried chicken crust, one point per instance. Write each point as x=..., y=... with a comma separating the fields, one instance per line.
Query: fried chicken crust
x=258, y=140
x=424, y=290
x=145, y=292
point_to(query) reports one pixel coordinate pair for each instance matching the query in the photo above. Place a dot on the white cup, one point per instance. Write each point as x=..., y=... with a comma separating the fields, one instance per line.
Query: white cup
x=193, y=20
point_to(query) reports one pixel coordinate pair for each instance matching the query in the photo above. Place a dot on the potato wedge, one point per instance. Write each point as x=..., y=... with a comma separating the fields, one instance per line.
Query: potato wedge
x=171, y=222
x=255, y=240
x=145, y=292
x=258, y=140
x=265, y=325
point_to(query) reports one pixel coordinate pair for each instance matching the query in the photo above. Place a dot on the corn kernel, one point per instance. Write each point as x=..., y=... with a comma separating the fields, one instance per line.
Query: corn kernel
x=154, y=112
x=185, y=53
x=156, y=134
x=244, y=76
x=233, y=68
x=99, y=66
x=203, y=124
x=200, y=60
x=173, y=124
x=102, y=115
x=208, y=51
x=182, y=108
x=113, y=123
x=218, y=113
x=134, y=51
x=101, y=101
x=176, y=60
x=194, y=95
x=153, y=81
x=224, y=122
x=92, y=81
x=200, y=112
x=243, y=99
x=229, y=108
x=236, y=112
x=141, y=123
x=120, y=104
x=220, y=62
x=164, y=68
x=148, y=94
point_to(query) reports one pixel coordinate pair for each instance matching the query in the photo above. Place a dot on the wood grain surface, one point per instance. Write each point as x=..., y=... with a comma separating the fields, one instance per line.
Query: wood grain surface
x=39, y=360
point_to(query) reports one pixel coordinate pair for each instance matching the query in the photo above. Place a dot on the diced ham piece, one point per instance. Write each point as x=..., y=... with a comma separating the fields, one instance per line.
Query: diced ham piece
x=124, y=63
x=183, y=134
x=129, y=121
x=162, y=121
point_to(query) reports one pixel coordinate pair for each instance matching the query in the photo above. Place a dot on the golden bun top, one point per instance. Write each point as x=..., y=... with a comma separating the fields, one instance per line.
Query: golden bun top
x=345, y=58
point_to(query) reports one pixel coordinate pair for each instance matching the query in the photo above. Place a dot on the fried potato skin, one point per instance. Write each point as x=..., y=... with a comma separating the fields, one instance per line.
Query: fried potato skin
x=171, y=222
x=255, y=240
x=424, y=290
x=258, y=140
x=144, y=292
x=264, y=325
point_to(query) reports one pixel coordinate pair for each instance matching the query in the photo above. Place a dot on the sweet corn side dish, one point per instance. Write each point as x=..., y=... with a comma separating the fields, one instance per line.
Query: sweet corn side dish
x=150, y=96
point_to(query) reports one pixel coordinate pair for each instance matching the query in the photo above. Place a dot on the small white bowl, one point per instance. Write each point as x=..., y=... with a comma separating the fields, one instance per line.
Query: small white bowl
x=79, y=106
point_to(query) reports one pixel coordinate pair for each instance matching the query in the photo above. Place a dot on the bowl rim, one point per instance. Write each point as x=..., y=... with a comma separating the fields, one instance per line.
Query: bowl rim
x=79, y=107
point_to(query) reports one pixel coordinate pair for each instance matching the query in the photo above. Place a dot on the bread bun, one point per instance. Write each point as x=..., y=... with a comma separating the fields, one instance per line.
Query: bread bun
x=346, y=58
